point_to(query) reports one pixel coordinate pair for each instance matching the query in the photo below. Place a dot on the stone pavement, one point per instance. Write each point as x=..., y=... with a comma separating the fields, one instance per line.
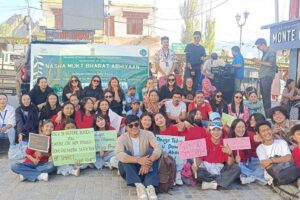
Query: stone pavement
x=107, y=185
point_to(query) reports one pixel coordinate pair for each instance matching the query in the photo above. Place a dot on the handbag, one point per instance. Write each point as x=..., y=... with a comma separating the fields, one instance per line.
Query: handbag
x=18, y=151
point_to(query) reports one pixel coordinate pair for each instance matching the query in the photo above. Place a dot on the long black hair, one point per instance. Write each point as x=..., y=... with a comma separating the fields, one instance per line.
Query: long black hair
x=241, y=104
x=258, y=118
x=191, y=118
x=82, y=104
x=233, y=126
x=145, y=114
x=106, y=119
x=156, y=129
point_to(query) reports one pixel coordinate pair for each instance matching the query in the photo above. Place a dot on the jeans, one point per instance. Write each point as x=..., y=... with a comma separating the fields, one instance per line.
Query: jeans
x=265, y=85
x=65, y=170
x=11, y=135
x=130, y=172
x=31, y=171
x=227, y=176
x=253, y=168
x=237, y=84
x=100, y=161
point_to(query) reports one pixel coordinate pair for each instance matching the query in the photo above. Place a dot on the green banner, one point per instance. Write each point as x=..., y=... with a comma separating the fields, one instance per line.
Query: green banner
x=105, y=140
x=74, y=146
x=178, y=48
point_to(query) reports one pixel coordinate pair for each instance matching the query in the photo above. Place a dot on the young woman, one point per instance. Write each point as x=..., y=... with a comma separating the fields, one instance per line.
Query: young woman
x=152, y=104
x=217, y=103
x=188, y=91
x=85, y=115
x=40, y=92
x=118, y=93
x=247, y=159
x=113, y=104
x=207, y=88
x=166, y=91
x=253, y=120
x=36, y=166
x=94, y=89
x=72, y=87
x=148, y=87
x=237, y=108
x=104, y=158
x=27, y=118
x=196, y=131
x=253, y=104
x=75, y=101
x=66, y=170
x=67, y=112
x=51, y=108
x=146, y=121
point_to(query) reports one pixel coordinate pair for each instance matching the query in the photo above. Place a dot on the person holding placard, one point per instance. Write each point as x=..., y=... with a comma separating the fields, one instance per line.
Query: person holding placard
x=247, y=159
x=27, y=118
x=66, y=170
x=217, y=168
x=85, y=115
x=51, y=108
x=104, y=158
x=237, y=108
x=67, y=112
x=138, y=164
x=36, y=166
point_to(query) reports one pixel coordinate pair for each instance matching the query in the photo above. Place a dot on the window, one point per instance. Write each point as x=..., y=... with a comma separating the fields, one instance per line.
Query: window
x=109, y=26
x=134, y=26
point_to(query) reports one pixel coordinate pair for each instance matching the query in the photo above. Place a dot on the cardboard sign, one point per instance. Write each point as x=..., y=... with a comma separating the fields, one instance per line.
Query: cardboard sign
x=228, y=119
x=39, y=142
x=74, y=146
x=192, y=149
x=170, y=145
x=238, y=143
x=105, y=140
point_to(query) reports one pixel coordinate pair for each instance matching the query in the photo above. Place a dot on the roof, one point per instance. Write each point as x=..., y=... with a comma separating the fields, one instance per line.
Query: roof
x=280, y=23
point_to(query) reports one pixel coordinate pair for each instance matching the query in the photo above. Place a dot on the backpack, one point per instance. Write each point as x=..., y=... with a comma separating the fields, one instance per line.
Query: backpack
x=187, y=175
x=166, y=174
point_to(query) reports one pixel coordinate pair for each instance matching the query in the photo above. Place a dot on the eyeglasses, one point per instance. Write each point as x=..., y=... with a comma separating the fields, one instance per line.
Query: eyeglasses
x=171, y=80
x=74, y=81
x=108, y=97
x=238, y=97
x=96, y=81
x=219, y=96
x=136, y=124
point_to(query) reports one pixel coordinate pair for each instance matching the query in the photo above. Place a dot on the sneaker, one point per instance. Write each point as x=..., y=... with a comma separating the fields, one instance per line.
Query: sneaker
x=108, y=165
x=118, y=172
x=22, y=178
x=91, y=166
x=114, y=162
x=178, y=180
x=141, y=192
x=43, y=177
x=76, y=172
x=209, y=185
x=247, y=180
x=151, y=193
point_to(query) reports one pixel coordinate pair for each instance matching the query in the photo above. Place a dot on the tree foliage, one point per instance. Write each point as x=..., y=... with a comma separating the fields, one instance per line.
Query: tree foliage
x=210, y=35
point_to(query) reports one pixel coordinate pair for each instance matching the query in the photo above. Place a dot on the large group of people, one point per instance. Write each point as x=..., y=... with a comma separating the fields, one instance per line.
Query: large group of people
x=194, y=111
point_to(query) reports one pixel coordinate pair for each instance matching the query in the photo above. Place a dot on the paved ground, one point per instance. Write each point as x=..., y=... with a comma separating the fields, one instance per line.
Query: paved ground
x=107, y=185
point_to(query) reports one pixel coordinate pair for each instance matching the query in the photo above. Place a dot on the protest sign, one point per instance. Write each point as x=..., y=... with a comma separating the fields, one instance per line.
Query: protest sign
x=39, y=142
x=105, y=140
x=192, y=149
x=170, y=145
x=227, y=119
x=238, y=143
x=73, y=146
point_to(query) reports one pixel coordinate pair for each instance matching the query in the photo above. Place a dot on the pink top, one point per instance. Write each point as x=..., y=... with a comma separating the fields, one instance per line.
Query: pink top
x=244, y=115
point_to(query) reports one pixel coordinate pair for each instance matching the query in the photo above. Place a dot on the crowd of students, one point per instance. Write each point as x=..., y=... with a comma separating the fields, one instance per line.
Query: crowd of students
x=169, y=110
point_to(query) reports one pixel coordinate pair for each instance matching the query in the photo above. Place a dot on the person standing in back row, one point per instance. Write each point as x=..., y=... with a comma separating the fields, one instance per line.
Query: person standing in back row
x=194, y=53
x=266, y=71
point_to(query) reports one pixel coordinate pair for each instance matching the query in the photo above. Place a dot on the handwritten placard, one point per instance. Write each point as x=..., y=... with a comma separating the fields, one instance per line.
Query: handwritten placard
x=39, y=142
x=192, y=149
x=238, y=143
x=227, y=119
x=105, y=140
x=73, y=146
x=170, y=145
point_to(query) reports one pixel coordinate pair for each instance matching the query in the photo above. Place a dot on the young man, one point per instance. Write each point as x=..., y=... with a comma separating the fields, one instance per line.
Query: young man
x=135, y=108
x=138, y=164
x=165, y=61
x=273, y=152
x=176, y=108
x=131, y=95
x=266, y=71
x=238, y=64
x=217, y=168
x=194, y=54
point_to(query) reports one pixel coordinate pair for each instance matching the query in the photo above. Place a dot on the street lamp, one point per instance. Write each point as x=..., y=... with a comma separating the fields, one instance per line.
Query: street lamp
x=241, y=23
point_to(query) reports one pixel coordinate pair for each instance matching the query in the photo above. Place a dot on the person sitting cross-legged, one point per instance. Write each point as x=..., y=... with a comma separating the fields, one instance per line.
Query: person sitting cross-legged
x=138, y=163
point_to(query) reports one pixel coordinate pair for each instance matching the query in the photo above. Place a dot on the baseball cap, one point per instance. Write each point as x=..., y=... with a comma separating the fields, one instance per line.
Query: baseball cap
x=135, y=101
x=214, y=115
x=197, y=33
x=215, y=124
x=131, y=86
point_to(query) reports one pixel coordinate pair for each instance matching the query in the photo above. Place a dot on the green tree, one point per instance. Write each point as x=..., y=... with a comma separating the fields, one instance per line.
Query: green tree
x=189, y=11
x=210, y=35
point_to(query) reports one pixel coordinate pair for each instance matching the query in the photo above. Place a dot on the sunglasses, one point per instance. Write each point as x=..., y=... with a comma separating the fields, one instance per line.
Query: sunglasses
x=219, y=96
x=171, y=80
x=238, y=97
x=108, y=96
x=136, y=124
x=96, y=81
x=74, y=81
x=196, y=37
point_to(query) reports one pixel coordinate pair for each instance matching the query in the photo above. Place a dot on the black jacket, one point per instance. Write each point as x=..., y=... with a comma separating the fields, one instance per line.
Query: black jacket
x=37, y=96
x=90, y=92
x=67, y=90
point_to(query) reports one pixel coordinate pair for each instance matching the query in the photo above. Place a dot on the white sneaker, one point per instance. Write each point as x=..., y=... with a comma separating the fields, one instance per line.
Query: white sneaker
x=151, y=193
x=76, y=172
x=247, y=180
x=43, y=177
x=141, y=192
x=178, y=179
x=209, y=185
x=114, y=162
x=22, y=178
x=108, y=165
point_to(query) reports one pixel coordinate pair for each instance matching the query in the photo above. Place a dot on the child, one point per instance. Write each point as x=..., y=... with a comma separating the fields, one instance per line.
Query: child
x=295, y=133
x=104, y=158
x=130, y=96
x=36, y=165
x=217, y=168
x=135, y=108
x=66, y=170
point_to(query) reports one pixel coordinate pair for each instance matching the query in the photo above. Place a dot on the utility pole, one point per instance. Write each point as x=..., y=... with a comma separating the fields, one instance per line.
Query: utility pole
x=28, y=22
x=276, y=11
